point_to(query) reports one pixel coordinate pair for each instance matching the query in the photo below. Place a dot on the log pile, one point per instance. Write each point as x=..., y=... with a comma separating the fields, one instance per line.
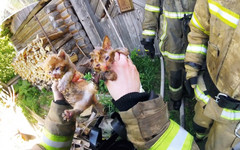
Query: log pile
x=29, y=63
x=63, y=18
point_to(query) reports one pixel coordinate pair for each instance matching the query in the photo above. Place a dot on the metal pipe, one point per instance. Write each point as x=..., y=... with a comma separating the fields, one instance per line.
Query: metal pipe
x=162, y=77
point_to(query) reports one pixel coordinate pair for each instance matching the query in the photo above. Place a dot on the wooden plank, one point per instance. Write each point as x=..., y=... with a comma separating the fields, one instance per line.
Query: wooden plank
x=94, y=4
x=13, y=80
x=71, y=19
x=140, y=3
x=121, y=27
x=57, y=23
x=20, y=17
x=75, y=27
x=66, y=13
x=111, y=6
x=69, y=45
x=50, y=8
x=64, y=39
x=115, y=11
x=32, y=28
x=108, y=30
x=53, y=36
x=30, y=32
x=36, y=9
x=63, y=5
x=87, y=19
x=133, y=27
x=99, y=13
x=54, y=15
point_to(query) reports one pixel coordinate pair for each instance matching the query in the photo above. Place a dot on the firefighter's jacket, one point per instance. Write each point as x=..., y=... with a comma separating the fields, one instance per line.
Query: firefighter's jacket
x=214, y=38
x=171, y=26
x=57, y=133
x=148, y=125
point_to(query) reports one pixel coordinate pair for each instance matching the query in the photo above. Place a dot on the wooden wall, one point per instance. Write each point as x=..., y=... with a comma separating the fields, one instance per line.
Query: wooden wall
x=128, y=25
x=58, y=20
x=89, y=24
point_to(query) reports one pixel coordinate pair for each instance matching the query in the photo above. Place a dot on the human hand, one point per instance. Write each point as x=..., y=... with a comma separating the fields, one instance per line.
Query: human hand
x=56, y=94
x=127, y=81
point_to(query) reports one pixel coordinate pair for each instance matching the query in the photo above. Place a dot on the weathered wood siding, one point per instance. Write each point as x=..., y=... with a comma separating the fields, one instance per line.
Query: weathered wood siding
x=97, y=24
x=83, y=22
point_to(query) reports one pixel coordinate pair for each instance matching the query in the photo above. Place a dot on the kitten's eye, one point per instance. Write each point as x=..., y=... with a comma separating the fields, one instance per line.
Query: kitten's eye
x=57, y=68
x=98, y=65
x=50, y=72
x=107, y=58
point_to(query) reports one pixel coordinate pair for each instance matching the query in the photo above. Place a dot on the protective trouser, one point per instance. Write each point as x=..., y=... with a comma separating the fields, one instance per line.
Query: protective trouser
x=175, y=71
x=224, y=121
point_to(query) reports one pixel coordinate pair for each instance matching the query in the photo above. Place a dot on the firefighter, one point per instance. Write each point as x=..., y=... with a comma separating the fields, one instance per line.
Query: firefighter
x=145, y=115
x=212, y=66
x=173, y=25
x=57, y=133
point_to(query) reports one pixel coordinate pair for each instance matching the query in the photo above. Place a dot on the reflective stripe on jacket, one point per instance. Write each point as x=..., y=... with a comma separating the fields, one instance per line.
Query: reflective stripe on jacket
x=174, y=138
x=57, y=133
x=54, y=142
x=215, y=37
x=227, y=114
x=173, y=41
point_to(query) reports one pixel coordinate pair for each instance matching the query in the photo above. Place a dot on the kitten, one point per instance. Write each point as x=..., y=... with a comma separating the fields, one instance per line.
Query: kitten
x=102, y=59
x=80, y=95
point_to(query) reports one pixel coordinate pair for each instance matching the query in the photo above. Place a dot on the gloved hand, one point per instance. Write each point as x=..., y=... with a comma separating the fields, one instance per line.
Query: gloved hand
x=191, y=75
x=148, y=47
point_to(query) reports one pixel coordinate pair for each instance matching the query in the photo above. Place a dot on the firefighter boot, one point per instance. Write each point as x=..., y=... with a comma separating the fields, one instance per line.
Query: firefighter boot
x=176, y=104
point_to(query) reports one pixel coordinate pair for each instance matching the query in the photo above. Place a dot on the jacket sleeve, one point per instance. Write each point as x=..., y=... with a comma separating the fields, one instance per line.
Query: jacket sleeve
x=57, y=133
x=198, y=41
x=151, y=16
x=148, y=127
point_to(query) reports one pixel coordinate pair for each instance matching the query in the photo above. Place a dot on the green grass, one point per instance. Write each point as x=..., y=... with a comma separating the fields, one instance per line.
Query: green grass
x=149, y=70
x=33, y=98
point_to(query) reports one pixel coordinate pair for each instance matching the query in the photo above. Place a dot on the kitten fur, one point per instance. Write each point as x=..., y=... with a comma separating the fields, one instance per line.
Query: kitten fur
x=102, y=59
x=80, y=95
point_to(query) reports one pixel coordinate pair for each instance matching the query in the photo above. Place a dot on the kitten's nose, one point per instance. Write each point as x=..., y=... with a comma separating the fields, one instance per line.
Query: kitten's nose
x=55, y=75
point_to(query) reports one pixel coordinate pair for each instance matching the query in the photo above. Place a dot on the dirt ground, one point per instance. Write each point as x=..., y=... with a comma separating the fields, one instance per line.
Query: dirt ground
x=15, y=131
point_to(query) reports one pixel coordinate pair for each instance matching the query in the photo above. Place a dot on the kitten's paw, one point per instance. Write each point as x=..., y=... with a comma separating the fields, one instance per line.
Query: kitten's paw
x=62, y=86
x=110, y=75
x=68, y=115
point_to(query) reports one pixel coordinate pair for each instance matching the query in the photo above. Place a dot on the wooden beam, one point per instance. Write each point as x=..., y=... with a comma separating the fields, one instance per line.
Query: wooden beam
x=100, y=10
x=57, y=23
x=94, y=4
x=50, y=8
x=63, y=6
x=60, y=43
x=66, y=13
x=54, y=15
x=71, y=19
x=36, y=9
x=88, y=20
x=141, y=3
x=75, y=27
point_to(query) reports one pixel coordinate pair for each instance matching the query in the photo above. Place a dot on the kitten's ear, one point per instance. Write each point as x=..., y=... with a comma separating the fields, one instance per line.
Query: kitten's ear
x=62, y=54
x=106, y=43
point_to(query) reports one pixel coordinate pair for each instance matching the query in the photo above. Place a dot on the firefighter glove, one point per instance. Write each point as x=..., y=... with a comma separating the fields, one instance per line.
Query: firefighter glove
x=149, y=47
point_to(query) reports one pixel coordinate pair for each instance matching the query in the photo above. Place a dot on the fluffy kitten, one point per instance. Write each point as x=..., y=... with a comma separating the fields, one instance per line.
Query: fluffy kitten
x=80, y=95
x=102, y=59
